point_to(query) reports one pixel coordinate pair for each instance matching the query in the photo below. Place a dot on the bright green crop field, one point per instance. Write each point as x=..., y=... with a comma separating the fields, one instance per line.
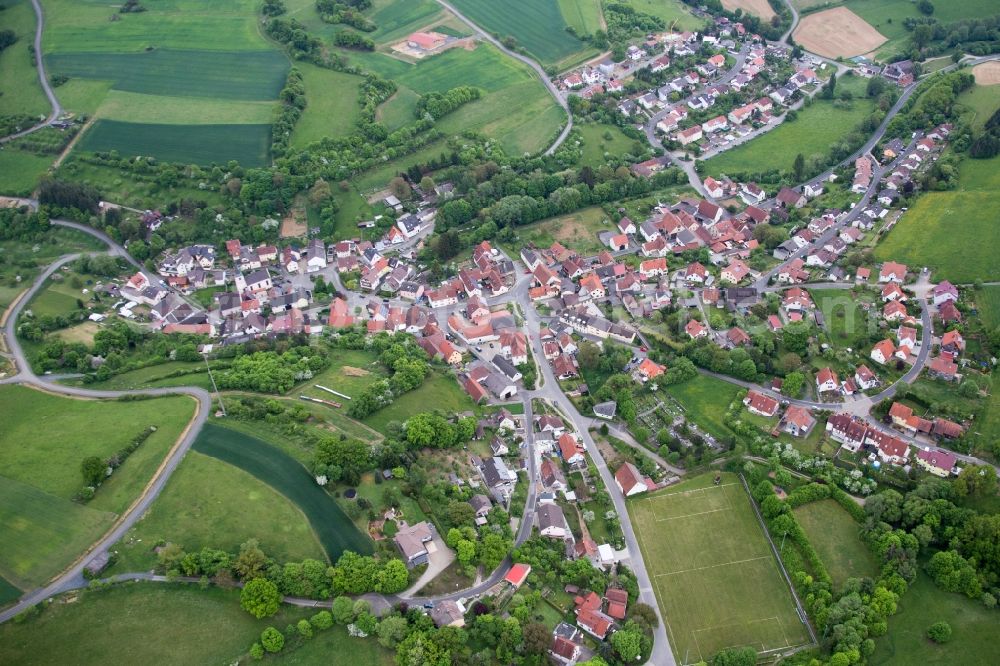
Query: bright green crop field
x=189, y=144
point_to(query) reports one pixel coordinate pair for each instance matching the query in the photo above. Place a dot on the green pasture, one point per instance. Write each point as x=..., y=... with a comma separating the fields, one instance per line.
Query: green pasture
x=948, y=231
x=537, y=25
x=673, y=12
x=189, y=144
x=398, y=110
x=97, y=27
x=287, y=476
x=216, y=75
x=208, y=502
x=577, y=231
x=331, y=104
x=20, y=171
x=816, y=128
x=888, y=16
x=154, y=376
x=988, y=305
x=43, y=533
x=713, y=573
x=835, y=536
x=705, y=400
x=439, y=391
x=49, y=457
x=83, y=96
x=139, y=623
x=8, y=592
x=18, y=78
x=596, y=145
x=975, y=640
x=981, y=102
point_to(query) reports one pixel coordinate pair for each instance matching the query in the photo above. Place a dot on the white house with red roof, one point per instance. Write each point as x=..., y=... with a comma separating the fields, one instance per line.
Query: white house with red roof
x=826, y=380
x=883, y=351
x=695, y=329
x=760, y=404
x=630, y=481
x=892, y=272
x=937, y=462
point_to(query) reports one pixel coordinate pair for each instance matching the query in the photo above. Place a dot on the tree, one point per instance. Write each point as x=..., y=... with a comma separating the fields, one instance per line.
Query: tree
x=260, y=598
x=645, y=614
x=792, y=384
x=746, y=656
x=926, y=7
x=536, y=638
x=588, y=354
x=466, y=551
x=304, y=628
x=796, y=336
x=251, y=561
x=394, y=577
x=391, y=631
x=94, y=470
x=322, y=620
x=257, y=651
x=627, y=643
x=272, y=639
x=976, y=481
x=939, y=632
x=799, y=167
x=342, y=610
x=400, y=188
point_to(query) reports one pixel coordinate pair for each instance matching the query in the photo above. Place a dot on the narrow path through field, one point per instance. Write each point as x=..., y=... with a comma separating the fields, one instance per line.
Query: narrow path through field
x=43, y=78
x=69, y=146
x=560, y=100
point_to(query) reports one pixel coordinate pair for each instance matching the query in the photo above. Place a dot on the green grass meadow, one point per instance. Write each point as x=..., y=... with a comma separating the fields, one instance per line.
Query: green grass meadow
x=178, y=624
x=835, y=536
x=577, y=231
x=584, y=16
x=953, y=232
x=287, y=476
x=18, y=78
x=21, y=171
x=817, y=126
x=208, y=502
x=887, y=16
x=705, y=400
x=673, y=12
x=332, y=104
x=596, y=147
x=975, y=640
x=538, y=25
x=188, y=144
x=713, y=573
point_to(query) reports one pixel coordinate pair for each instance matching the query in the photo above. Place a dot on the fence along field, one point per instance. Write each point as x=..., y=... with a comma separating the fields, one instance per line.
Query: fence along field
x=713, y=572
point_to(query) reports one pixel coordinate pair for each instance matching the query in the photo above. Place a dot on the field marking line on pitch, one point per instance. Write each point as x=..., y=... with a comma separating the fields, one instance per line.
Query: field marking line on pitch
x=689, y=492
x=690, y=515
x=713, y=566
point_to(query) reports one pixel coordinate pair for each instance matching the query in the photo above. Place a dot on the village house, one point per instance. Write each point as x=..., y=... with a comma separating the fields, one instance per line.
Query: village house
x=797, y=421
x=937, y=462
x=760, y=404
x=826, y=381
x=411, y=540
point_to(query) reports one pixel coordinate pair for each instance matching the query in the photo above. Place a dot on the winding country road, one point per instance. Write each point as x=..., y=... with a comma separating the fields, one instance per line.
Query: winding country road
x=43, y=78
x=560, y=100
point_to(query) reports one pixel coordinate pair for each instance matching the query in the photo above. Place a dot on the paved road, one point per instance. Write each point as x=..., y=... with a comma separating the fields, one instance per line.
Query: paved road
x=72, y=578
x=43, y=78
x=560, y=100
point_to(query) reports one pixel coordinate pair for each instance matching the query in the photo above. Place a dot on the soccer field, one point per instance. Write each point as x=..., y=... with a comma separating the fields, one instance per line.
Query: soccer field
x=714, y=575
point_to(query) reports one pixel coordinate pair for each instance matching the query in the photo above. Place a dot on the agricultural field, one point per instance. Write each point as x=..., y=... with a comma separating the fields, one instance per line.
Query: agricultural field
x=21, y=92
x=816, y=128
x=759, y=8
x=141, y=623
x=597, y=145
x=838, y=32
x=289, y=478
x=975, y=640
x=584, y=16
x=577, y=231
x=834, y=535
x=705, y=400
x=947, y=230
x=195, y=510
x=987, y=73
x=185, y=82
x=539, y=26
x=394, y=19
x=190, y=144
x=713, y=572
x=674, y=13
x=332, y=104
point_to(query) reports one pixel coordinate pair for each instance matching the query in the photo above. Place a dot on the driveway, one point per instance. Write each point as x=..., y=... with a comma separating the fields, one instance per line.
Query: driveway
x=439, y=556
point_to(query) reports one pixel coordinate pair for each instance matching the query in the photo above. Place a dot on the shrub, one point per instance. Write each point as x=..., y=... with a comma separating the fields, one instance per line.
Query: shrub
x=272, y=639
x=939, y=632
x=257, y=651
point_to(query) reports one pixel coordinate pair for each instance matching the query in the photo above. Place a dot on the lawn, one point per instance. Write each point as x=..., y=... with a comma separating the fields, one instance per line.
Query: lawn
x=982, y=102
x=49, y=457
x=18, y=78
x=398, y=110
x=844, y=320
x=816, y=127
x=144, y=622
x=988, y=305
x=714, y=575
x=438, y=392
x=196, y=509
x=948, y=231
x=288, y=477
x=577, y=231
x=705, y=401
x=20, y=171
x=673, y=12
x=834, y=535
x=538, y=26
x=596, y=145
x=975, y=640
x=331, y=104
